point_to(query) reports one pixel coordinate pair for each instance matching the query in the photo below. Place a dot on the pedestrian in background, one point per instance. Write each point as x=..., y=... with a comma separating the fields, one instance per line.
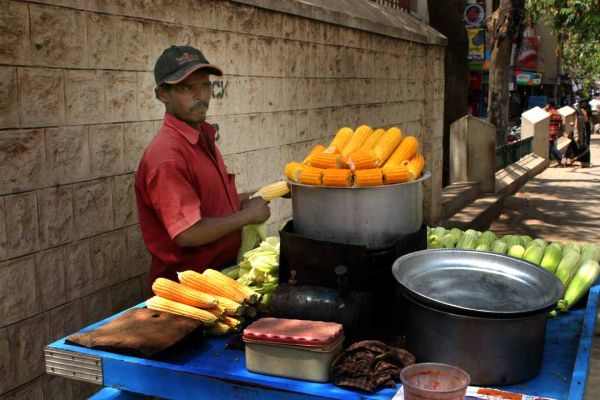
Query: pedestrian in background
x=586, y=133
x=556, y=129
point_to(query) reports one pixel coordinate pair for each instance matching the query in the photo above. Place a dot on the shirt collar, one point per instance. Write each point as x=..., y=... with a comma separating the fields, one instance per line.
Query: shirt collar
x=189, y=133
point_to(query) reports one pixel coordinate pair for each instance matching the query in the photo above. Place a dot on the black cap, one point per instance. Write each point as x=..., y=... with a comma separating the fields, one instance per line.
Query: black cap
x=177, y=62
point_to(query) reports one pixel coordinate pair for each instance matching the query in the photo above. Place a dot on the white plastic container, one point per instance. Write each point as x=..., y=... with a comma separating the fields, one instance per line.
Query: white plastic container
x=292, y=348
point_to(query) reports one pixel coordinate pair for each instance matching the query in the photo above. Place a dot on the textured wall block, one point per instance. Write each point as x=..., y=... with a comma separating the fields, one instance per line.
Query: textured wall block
x=58, y=36
x=238, y=57
x=93, y=208
x=41, y=97
x=78, y=270
x=148, y=106
x=124, y=200
x=287, y=130
x=163, y=10
x=56, y=387
x=18, y=299
x=66, y=320
x=120, y=96
x=68, y=153
x=9, y=106
x=22, y=157
x=236, y=164
x=50, y=277
x=96, y=307
x=126, y=294
x=33, y=390
x=292, y=58
x=14, y=41
x=56, y=215
x=133, y=44
x=3, y=243
x=202, y=13
x=102, y=40
x=108, y=256
x=213, y=44
x=22, y=223
x=27, y=341
x=257, y=162
x=167, y=35
x=107, y=155
x=137, y=136
x=85, y=97
x=138, y=258
x=5, y=362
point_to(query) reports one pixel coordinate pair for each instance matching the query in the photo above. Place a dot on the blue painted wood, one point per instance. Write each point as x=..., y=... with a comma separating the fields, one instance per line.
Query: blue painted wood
x=213, y=372
x=115, y=394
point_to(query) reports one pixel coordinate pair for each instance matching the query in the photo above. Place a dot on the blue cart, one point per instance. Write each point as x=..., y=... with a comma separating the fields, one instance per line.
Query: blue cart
x=214, y=372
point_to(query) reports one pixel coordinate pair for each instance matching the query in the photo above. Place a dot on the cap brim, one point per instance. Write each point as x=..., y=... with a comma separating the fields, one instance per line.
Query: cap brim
x=183, y=73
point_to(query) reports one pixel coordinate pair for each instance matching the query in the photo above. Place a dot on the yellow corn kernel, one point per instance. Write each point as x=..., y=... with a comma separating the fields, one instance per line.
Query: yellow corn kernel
x=170, y=290
x=405, y=151
x=341, y=139
x=358, y=138
x=218, y=329
x=368, y=177
x=387, y=144
x=234, y=323
x=274, y=190
x=157, y=303
x=312, y=176
x=202, y=283
x=218, y=312
x=416, y=165
x=396, y=174
x=231, y=307
x=362, y=159
x=372, y=139
x=250, y=295
x=318, y=149
x=337, y=177
x=327, y=160
x=293, y=171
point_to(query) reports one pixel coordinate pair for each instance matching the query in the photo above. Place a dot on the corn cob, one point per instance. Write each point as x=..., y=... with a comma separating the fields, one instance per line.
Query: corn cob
x=157, y=303
x=358, y=138
x=312, y=176
x=337, y=177
x=368, y=177
x=318, y=149
x=250, y=295
x=568, y=266
x=362, y=159
x=234, y=323
x=585, y=277
x=327, y=160
x=415, y=165
x=405, y=151
x=200, y=282
x=218, y=312
x=387, y=144
x=293, y=171
x=274, y=190
x=230, y=306
x=396, y=174
x=341, y=139
x=218, y=329
x=372, y=139
x=174, y=291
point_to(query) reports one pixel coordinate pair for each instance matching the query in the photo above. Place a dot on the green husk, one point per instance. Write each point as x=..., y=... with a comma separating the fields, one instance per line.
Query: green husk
x=551, y=259
x=585, y=277
x=499, y=247
x=516, y=251
x=534, y=254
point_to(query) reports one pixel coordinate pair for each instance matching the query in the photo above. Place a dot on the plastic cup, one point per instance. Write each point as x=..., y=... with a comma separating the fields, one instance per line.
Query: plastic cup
x=434, y=381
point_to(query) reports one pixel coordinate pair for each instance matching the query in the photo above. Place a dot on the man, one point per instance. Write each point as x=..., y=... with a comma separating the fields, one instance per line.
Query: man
x=555, y=131
x=189, y=210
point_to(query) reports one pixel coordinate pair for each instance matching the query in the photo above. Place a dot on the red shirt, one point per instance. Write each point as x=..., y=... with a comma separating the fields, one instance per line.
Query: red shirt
x=182, y=178
x=555, y=121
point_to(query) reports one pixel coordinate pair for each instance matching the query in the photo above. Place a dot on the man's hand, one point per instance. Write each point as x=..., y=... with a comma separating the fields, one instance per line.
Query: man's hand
x=257, y=210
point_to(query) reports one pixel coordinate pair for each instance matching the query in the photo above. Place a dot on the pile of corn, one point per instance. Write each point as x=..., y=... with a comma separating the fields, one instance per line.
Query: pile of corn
x=576, y=265
x=361, y=157
x=217, y=300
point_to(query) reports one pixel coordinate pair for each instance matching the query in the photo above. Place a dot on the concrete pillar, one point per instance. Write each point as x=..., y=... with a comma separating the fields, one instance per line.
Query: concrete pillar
x=473, y=152
x=536, y=122
x=568, y=115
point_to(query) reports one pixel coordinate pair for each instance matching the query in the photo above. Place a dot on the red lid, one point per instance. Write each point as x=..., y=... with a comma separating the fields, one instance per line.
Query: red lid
x=293, y=332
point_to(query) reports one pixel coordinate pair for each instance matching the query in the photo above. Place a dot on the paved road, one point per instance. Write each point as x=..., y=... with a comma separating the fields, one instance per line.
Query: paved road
x=560, y=204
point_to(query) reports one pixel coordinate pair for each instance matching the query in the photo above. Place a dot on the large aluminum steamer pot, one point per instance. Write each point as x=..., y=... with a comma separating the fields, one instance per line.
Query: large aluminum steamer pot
x=369, y=216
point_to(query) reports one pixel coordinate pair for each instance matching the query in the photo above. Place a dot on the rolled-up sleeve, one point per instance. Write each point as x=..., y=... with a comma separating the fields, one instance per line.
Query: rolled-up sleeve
x=173, y=197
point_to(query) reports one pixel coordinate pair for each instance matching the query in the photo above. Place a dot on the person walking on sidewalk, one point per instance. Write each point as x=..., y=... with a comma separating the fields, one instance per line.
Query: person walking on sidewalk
x=556, y=128
x=585, y=119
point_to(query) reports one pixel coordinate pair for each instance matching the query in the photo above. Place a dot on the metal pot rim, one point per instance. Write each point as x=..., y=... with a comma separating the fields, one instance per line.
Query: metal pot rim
x=426, y=175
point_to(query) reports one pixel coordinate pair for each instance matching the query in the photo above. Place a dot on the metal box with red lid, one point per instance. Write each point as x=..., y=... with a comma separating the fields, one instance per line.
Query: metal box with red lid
x=292, y=348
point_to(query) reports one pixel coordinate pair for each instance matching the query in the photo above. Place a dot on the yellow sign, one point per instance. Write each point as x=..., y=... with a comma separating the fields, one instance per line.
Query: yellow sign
x=476, y=43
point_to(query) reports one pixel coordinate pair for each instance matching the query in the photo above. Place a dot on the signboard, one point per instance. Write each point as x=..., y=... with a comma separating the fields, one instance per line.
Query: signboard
x=528, y=78
x=476, y=43
x=528, y=53
x=474, y=15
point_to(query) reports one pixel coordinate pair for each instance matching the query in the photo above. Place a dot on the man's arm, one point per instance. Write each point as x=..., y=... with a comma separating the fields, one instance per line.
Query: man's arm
x=208, y=230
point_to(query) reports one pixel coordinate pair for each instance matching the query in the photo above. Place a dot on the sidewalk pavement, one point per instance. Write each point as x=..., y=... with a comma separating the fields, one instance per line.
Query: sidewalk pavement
x=560, y=204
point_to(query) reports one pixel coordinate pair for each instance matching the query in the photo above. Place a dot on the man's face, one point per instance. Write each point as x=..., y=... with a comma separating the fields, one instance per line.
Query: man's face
x=188, y=100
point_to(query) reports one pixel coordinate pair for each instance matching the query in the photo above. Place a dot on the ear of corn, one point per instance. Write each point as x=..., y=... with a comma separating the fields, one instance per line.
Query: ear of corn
x=218, y=329
x=362, y=159
x=200, y=282
x=372, y=139
x=415, y=165
x=405, y=151
x=231, y=307
x=568, y=266
x=293, y=171
x=337, y=177
x=341, y=139
x=327, y=160
x=218, y=312
x=358, y=138
x=234, y=323
x=396, y=174
x=311, y=176
x=174, y=291
x=387, y=144
x=274, y=190
x=318, y=149
x=157, y=303
x=250, y=295
x=368, y=177
x=585, y=277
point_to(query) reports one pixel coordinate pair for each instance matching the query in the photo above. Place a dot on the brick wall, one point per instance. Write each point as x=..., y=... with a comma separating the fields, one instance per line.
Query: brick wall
x=77, y=109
